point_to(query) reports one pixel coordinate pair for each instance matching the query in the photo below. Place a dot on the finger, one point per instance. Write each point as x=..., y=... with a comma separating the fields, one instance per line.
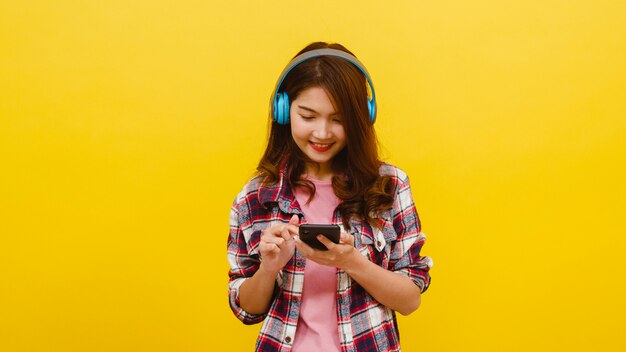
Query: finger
x=278, y=241
x=268, y=236
x=295, y=220
x=274, y=230
x=285, y=234
x=325, y=241
x=347, y=238
x=277, y=227
x=268, y=248
x=302, y=247
x=293, y=229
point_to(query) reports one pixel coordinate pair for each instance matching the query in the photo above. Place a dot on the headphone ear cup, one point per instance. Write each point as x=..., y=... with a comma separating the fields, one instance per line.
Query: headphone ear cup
x=281, y=108
x=371, y=106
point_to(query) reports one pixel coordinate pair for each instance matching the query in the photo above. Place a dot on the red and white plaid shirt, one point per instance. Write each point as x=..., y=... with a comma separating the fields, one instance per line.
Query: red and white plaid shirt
x=363, y=323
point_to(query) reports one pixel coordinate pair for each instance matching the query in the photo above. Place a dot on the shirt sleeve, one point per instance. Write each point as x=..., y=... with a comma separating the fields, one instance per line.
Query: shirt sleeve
x=405, y=257
x=242, y=266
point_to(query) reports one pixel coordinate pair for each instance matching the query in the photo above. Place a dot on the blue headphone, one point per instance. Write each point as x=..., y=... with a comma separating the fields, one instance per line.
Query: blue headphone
x=280, y=101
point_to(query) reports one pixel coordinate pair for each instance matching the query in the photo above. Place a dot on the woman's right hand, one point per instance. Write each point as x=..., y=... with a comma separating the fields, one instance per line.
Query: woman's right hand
x=278, y=245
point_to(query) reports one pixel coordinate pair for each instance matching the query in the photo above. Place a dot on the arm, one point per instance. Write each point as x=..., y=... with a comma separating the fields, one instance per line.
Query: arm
x=276, y=248
x=256, y=292
x=393, y=290
x=399, y=284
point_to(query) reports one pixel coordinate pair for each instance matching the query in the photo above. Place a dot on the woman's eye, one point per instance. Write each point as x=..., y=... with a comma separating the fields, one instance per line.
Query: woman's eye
x=307, y=117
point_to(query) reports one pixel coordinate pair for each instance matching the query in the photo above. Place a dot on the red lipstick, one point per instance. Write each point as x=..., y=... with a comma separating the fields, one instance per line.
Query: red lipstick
x=319, y=148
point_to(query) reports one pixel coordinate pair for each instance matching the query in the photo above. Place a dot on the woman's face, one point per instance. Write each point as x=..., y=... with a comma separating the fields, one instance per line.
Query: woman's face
x=317, y=128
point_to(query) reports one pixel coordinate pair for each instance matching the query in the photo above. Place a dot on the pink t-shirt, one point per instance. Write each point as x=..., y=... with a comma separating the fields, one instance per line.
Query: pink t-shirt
x=317, y=326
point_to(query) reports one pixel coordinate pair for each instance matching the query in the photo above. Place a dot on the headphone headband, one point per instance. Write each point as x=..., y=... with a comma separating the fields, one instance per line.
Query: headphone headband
x=280, y=102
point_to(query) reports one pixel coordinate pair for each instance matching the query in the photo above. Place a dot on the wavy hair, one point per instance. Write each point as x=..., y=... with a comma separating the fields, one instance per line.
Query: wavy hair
x=356, y=181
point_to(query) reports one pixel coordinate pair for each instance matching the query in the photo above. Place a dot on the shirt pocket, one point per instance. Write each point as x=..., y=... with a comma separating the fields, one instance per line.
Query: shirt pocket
x=253, y=238
x=263, y=221
x=374, y=243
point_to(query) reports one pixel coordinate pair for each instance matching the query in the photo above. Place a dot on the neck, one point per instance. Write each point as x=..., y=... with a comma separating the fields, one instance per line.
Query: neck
x=320, y=172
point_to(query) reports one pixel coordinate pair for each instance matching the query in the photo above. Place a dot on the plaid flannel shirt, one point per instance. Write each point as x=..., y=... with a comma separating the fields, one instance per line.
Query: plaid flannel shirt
x=363, y=323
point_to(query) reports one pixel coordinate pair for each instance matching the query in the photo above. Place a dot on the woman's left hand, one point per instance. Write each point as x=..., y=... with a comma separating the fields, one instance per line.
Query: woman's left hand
x=340, y=255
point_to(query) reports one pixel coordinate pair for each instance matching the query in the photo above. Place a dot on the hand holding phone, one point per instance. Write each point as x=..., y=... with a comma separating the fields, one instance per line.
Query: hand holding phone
x=308, y=234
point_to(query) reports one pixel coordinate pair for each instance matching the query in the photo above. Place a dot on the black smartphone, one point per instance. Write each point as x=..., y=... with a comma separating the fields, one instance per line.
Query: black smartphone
x=309, y=232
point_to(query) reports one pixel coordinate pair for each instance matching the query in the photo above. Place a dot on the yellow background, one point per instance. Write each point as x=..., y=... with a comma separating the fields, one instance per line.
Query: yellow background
x=128, y=127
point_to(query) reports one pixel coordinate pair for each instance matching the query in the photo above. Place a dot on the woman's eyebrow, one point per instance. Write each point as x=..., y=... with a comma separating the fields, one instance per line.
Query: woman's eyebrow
x=315, y=112
x=307, y=109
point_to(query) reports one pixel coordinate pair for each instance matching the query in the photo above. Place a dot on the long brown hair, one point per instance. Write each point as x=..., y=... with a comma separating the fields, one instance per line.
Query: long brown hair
x=356, y=179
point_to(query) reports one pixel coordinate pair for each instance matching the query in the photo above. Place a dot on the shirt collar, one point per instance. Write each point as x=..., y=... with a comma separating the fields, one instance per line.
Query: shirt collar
x=279, y=193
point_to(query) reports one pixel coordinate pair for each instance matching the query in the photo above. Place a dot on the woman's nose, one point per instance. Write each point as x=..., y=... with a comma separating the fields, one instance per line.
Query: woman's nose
x=322, y=129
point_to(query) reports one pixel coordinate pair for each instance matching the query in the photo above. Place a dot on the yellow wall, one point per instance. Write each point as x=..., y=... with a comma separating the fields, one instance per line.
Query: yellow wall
x=128, y=127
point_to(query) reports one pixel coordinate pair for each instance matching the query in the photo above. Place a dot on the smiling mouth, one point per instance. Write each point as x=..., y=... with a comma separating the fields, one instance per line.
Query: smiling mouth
x=321, y=147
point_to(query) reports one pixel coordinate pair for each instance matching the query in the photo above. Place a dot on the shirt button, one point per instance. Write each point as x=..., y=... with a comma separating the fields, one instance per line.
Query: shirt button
x=296, y=298
x=288, y=339
x=378, y=243
x=299, y=263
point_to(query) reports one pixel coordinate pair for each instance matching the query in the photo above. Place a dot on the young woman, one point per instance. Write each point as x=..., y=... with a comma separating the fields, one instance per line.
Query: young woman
x=321, y=166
